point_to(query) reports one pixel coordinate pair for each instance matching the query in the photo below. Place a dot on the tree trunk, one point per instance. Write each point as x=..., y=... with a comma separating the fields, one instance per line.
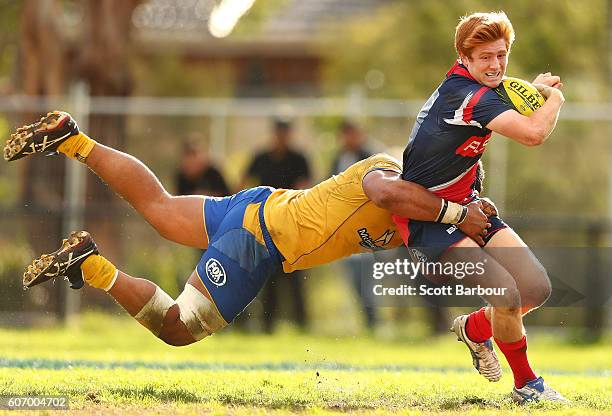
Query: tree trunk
x=41, y=61
x=49, y=61
x=103, y=60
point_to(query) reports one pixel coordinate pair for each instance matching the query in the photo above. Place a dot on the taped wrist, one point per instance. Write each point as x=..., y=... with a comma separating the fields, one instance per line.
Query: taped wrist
x=462, y=216
x=451, y=213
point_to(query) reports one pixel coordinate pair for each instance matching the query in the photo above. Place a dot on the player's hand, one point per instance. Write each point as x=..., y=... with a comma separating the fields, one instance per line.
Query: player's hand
x=547, y=91
x=549, y=80
x=475, y=224
x=488, y=207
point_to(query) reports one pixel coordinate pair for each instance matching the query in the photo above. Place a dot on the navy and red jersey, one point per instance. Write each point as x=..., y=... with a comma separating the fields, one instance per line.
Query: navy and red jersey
x=450, y=135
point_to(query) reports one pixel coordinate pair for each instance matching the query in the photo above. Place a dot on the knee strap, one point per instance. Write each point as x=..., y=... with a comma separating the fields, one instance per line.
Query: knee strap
x=198, y=313
x=152, y=314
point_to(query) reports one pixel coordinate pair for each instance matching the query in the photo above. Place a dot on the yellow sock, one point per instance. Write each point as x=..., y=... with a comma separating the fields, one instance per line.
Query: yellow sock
x=77, y=147
x=99, y=272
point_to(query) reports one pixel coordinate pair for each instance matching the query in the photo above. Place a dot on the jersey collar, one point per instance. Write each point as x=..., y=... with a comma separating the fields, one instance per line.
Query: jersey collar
x=459, y=69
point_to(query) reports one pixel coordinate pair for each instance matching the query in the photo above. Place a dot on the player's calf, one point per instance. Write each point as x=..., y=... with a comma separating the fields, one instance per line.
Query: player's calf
x=190, y=318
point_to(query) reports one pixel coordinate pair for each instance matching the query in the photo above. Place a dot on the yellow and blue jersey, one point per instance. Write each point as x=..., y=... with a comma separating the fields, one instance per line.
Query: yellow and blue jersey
x=256, y=231
x=334, y=219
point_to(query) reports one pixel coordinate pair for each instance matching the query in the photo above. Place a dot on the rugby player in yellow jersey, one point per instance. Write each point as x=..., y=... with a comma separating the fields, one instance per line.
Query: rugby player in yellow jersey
x=246, y=236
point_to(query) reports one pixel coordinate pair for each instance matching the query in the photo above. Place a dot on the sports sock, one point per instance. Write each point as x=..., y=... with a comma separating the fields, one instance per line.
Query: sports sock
x=516, y=355
x=478, y=327
x=77, y=147
x=99, y=272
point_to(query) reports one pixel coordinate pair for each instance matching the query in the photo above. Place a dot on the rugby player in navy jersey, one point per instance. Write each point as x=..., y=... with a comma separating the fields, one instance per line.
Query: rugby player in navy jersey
x=443, y=154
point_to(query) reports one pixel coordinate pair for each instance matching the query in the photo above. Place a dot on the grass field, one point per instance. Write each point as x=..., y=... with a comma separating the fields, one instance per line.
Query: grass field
x=111, y=365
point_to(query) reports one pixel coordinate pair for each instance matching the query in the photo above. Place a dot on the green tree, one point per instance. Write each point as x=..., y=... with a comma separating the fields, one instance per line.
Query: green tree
x=9, y=39
x=412, y=44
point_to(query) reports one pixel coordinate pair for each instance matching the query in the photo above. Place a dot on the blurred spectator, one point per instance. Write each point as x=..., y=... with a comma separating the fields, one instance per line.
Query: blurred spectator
x=196, y=175
x=353, y=149
x=281, y=167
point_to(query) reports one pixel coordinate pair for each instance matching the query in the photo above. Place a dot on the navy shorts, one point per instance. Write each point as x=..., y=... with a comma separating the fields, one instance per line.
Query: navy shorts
x=435, y=238
x=236, y=264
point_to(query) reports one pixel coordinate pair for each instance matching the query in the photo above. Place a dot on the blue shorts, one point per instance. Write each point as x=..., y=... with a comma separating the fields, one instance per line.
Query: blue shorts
x=435, y=238
x=235, y=266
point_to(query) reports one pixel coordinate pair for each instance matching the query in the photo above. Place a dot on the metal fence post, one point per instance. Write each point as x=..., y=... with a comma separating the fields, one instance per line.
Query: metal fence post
x=356, y=101
x=609, y=105
x=218, y=134
x=74, y=189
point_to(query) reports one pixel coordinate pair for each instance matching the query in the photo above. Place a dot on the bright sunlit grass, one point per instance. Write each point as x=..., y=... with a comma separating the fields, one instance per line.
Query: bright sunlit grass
x=113, y=365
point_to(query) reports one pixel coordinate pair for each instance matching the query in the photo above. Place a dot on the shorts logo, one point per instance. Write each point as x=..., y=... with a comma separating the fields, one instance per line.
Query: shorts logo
x=215, y=272
x=417, y=256
x=451, y=229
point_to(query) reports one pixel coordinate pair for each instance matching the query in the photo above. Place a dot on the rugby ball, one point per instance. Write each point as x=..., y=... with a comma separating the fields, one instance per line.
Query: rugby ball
x=520, y=95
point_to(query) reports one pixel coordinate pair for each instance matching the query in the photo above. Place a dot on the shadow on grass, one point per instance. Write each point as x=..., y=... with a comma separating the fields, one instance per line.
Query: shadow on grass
x=150, y=392
x=471, y=401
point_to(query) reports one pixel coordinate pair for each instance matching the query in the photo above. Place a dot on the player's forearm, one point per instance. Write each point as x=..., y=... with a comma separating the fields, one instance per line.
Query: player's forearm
x=414, y=201
x=410, y=200
x=545, y=118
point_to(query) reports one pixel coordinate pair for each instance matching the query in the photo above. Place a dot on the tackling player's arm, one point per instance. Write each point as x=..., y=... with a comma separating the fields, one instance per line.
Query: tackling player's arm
x=535, y=129
x=407, y=199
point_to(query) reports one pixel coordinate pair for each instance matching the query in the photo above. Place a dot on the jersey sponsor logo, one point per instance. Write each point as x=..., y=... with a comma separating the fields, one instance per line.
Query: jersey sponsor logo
x=373, y=244
x=473, y=146
x=215, y=272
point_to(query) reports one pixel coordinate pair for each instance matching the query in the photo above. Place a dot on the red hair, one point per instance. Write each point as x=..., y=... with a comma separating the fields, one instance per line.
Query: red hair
x=480, y=28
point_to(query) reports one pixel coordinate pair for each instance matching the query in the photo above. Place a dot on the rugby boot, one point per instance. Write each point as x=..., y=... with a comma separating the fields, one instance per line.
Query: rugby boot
x=483, y=355
x=537, y=391
x=62, y=263
x=44, y=136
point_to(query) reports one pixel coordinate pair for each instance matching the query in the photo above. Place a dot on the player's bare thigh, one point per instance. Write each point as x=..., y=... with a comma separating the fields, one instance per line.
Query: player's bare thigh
x=515, y=256
x=181, y=219
x=177, y=218
x=495, y=276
